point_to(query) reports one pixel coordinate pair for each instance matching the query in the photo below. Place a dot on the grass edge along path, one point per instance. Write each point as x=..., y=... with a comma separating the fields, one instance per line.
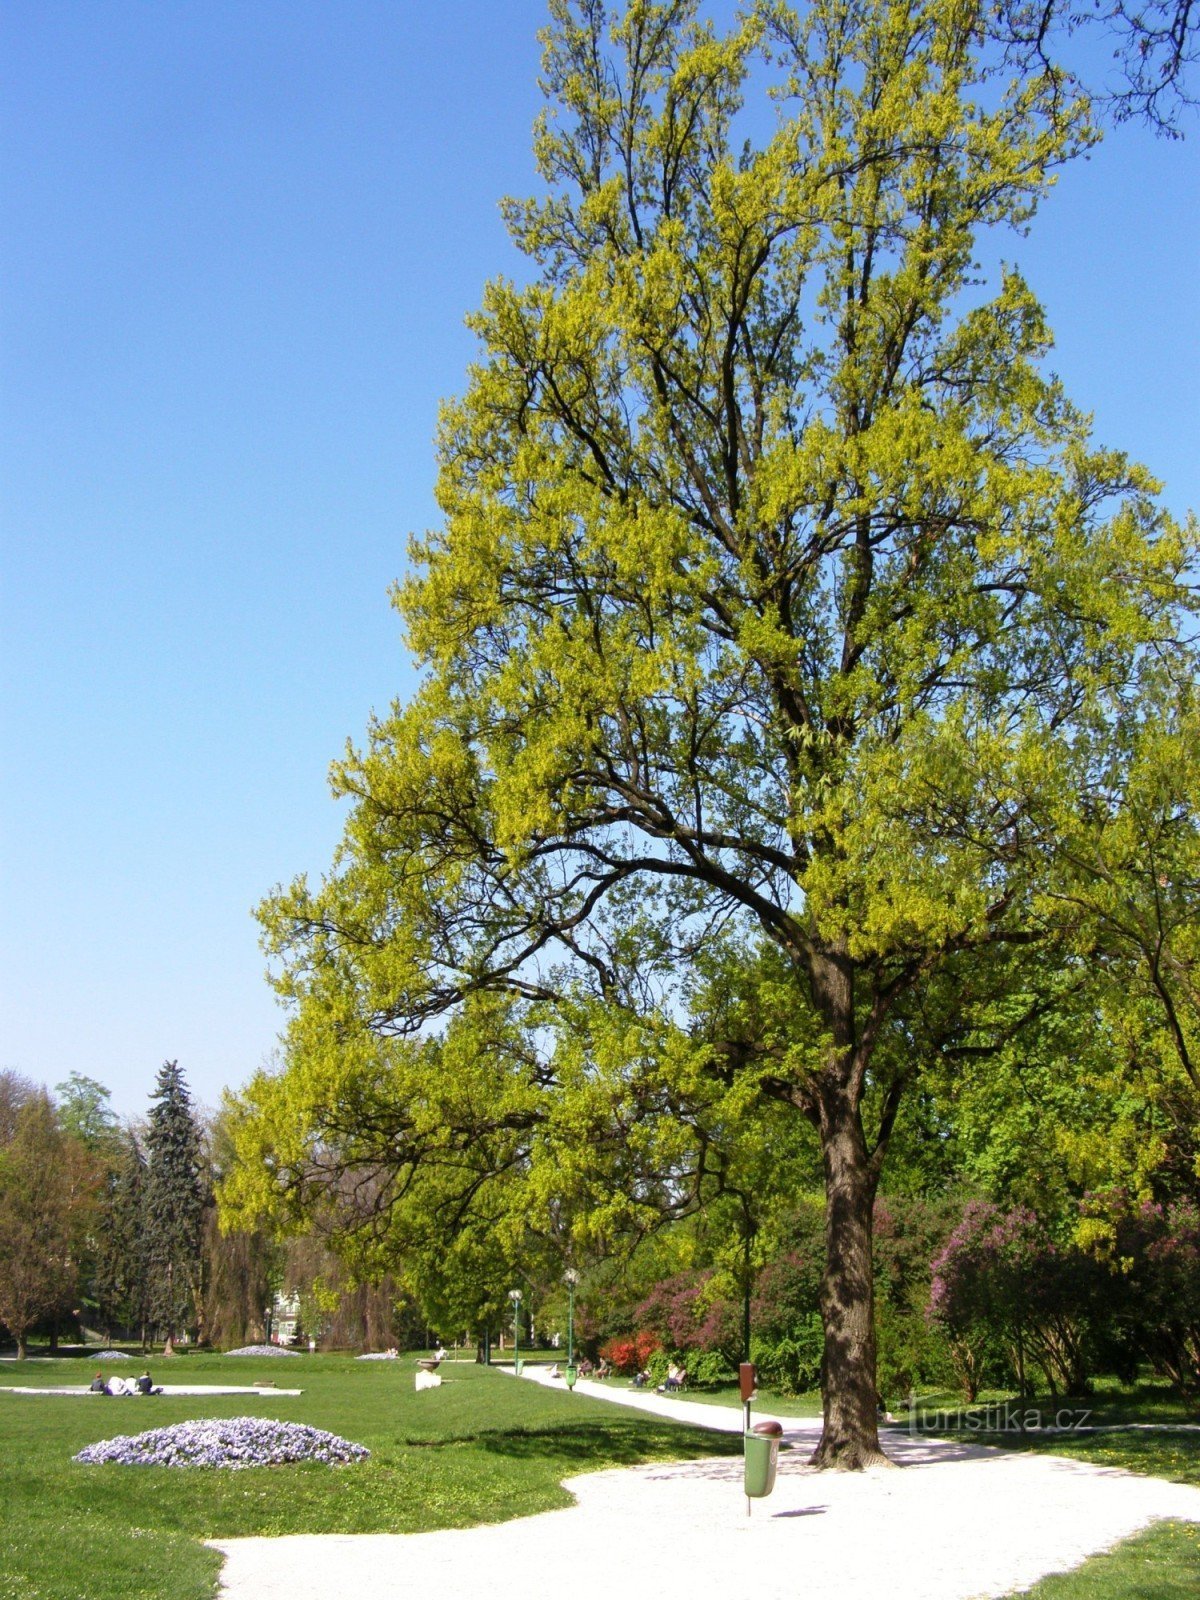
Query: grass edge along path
x=477, y=1450
x=1160, y=1563
x=1147, y=1431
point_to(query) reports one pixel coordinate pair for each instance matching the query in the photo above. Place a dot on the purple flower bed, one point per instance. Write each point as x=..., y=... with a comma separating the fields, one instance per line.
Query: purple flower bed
x=262, y=1350
x=225, y=1442
x=108, y=1355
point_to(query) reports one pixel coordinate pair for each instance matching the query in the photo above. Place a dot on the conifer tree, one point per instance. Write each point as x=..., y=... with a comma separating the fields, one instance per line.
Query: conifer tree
x=174, y=1206
x=121, y=1272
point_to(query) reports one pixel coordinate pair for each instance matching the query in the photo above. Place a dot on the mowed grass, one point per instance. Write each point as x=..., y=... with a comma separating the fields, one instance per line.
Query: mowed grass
x=482, y=1448
x=765, y=1401
x=1167, y=1448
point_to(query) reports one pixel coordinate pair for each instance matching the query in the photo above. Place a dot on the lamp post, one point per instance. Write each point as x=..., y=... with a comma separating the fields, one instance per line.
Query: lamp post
x=515, y=1296
x=571, y=1278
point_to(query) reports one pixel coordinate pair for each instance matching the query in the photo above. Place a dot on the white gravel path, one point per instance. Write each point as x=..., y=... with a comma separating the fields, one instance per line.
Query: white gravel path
x=959, y=1522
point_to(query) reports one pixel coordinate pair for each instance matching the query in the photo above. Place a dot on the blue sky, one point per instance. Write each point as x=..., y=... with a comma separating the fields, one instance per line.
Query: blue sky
x=239, y=241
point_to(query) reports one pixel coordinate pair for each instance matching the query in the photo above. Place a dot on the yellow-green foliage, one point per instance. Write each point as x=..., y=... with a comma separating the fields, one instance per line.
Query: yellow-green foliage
x=779, y=591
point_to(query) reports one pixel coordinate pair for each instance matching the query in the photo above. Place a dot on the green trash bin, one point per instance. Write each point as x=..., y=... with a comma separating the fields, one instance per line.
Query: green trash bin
x=761, y=1445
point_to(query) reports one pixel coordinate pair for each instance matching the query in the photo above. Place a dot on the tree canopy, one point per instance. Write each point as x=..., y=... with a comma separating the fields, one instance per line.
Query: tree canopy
x=781, y=596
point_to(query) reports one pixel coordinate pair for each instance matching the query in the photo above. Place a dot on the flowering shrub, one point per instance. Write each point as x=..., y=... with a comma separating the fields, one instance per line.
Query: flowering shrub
x=674, y=1309
x=225, y=1442
x=262, y=1350
x=1156, y=1288
x=632, y=1353
x=1003, y=1280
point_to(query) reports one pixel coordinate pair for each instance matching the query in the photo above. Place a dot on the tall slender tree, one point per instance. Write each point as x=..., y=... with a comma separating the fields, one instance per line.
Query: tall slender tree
x=121, y=1266
x=173, y=1208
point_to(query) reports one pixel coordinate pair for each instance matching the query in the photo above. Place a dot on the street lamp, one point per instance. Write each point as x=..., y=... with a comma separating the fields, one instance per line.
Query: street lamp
x=515, y=1296
x=571, y=1278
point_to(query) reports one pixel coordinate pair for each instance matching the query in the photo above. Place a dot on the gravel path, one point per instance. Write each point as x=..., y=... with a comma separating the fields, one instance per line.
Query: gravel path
x=960, y=1522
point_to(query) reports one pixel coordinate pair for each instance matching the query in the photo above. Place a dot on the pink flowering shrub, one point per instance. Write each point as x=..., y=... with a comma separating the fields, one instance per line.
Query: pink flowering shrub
x=1156, y=1287
x=1002, y=1282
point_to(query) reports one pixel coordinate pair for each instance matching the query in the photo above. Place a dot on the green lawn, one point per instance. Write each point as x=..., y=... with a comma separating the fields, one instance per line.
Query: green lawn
x=1160, y=1453
x=779, y=1405
x=479, y=1449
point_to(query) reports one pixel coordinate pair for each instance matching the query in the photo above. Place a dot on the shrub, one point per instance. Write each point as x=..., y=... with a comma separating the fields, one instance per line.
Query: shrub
x=708, y=1369
x=1156, y=1288
x=791, y=1362
x=1002, y=1280
x=631, y=1353
x=674, y=1309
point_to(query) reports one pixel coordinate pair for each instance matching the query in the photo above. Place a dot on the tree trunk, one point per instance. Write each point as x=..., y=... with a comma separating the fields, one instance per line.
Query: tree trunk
x=22, y=1347
x=850, y=1437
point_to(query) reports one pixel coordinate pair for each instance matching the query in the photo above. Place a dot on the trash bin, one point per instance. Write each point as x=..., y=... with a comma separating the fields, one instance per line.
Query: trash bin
x=761, y=1445
x=572, y=1374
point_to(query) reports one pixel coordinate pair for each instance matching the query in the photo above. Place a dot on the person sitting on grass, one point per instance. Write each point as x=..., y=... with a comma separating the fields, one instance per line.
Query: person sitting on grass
x=120, y=1386
x=97, y=1385
x=145, y=1384
x=641, y=1379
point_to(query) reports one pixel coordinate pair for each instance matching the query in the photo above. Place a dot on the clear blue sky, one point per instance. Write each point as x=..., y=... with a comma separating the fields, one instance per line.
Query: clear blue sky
x=239, y=241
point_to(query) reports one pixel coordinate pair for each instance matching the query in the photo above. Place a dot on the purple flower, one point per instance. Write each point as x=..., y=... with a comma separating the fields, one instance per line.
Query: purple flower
x=262, y=1350
x=225, y=1442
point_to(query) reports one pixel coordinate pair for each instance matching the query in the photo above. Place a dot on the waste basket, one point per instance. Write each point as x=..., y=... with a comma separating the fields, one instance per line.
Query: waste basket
x=761, y=1445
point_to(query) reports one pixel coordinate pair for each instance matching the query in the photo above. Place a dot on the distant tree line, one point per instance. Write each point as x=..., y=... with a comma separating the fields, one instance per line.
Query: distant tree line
x=110, y=1230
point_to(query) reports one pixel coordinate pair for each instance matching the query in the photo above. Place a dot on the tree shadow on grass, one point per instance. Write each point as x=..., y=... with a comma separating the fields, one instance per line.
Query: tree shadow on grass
x=602, y=1444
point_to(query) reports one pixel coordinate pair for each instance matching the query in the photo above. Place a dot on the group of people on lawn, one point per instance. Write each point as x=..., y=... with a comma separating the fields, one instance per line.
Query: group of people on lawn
x=120, y=1386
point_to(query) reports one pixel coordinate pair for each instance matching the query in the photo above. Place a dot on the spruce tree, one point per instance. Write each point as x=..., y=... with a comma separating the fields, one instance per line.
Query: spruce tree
x=174, y=1206
x=121, y=1274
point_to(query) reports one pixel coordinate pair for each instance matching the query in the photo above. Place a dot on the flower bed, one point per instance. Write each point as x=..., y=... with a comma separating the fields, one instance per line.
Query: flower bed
x=225, y=1442
x=262, y=1350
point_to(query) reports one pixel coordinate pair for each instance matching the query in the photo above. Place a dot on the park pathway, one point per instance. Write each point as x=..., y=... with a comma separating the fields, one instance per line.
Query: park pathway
x=960, y=1522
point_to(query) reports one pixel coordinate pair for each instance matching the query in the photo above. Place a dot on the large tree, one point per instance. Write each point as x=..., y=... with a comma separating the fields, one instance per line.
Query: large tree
x=47, y=1190
x=174, y=1196
x=122, y=1273
x=779, y=590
